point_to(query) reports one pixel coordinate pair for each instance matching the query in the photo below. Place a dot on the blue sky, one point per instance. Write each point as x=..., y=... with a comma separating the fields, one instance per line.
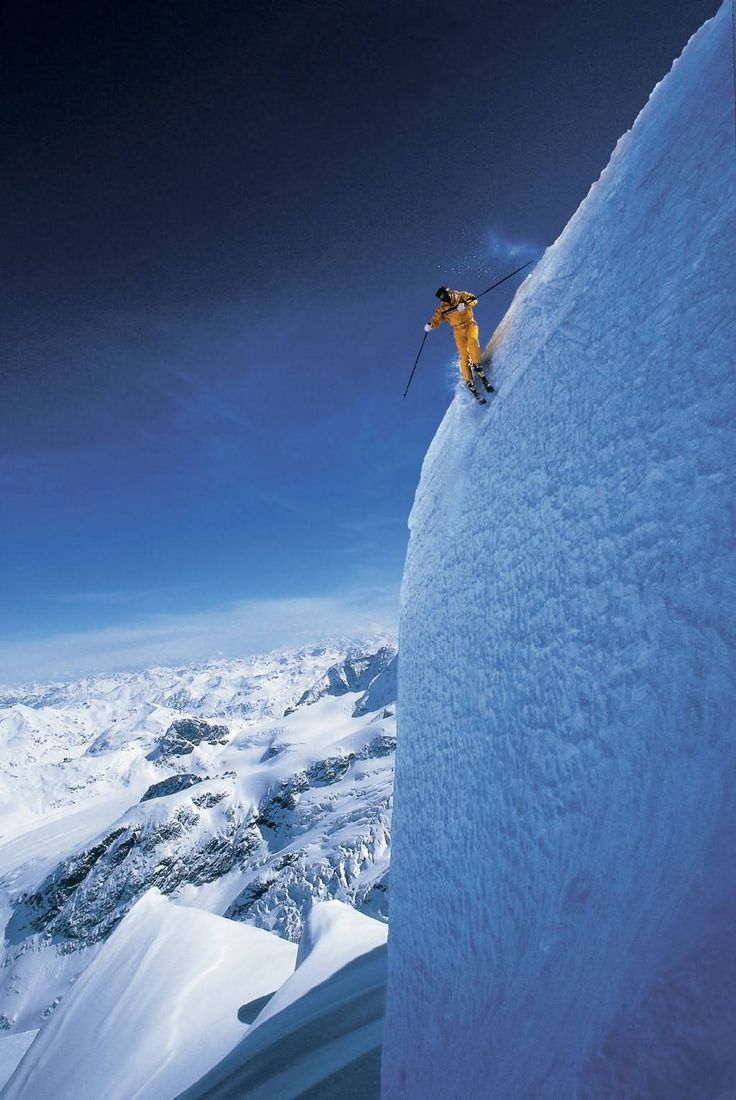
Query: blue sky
x=239, y=468
x=223, y=236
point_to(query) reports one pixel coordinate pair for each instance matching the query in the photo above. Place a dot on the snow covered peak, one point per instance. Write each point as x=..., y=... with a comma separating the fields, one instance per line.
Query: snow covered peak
x=320, y=1034
x=156, y=1008
x=341, y=928
x=355, y=673
x=334, y=934
x=567, y=683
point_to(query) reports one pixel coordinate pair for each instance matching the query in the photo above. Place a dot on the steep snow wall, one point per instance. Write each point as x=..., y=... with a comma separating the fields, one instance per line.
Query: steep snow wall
x=563, y=879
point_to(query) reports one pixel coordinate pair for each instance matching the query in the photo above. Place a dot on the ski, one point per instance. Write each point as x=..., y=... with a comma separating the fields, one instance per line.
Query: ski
x=478, y=397
x=481, y=374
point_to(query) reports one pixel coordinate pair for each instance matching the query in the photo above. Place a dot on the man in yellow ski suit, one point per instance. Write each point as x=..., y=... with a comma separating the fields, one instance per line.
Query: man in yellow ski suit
x=456, y=307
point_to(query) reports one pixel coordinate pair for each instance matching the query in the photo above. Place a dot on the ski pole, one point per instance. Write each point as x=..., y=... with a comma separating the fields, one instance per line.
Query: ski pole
x=492, y=286
x=421, y=349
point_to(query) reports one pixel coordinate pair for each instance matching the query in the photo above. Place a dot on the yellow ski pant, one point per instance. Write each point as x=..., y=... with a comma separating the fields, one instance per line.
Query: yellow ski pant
x=468, y=348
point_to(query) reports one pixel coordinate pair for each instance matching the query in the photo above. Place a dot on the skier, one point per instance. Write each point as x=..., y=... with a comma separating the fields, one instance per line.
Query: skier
x=456, y=307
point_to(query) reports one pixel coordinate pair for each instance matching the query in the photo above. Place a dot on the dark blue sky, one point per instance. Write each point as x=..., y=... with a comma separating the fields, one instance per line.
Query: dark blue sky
x=222, y=229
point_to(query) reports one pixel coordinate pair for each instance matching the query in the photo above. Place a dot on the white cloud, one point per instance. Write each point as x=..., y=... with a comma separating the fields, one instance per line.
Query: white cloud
x=248, y=626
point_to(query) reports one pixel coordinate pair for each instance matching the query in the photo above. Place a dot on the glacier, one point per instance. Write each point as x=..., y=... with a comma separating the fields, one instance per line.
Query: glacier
x=563, y=880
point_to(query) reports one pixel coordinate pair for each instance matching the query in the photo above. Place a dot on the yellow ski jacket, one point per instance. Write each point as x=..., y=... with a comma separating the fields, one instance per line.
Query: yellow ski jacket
x=448, y=311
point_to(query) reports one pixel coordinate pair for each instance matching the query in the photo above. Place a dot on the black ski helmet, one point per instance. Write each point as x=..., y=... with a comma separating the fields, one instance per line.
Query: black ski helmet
x=443, y=294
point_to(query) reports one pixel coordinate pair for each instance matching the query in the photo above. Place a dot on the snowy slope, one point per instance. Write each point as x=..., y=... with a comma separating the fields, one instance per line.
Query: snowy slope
x=322, y=1030
x=12, y=1049
x=334, y=935
x=157, y=1007
x=567, y=759
x=213, y=783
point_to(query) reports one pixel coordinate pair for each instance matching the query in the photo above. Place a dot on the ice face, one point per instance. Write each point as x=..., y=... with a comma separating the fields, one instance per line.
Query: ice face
x=563, y=879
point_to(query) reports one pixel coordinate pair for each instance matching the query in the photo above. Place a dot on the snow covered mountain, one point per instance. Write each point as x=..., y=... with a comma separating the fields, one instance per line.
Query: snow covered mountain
x=244, y=788
x=567, y=690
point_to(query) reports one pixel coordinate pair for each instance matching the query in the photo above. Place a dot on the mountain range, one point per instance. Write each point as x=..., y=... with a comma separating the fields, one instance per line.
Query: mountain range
x=250, y=789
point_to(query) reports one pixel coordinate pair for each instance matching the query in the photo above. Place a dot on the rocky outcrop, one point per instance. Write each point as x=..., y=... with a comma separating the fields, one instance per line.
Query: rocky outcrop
x=183, y=736
x=381, y=692
x=275, y=809
x=278, y=894
x=383, y=744
x=351, y=675
x=88, y=894
x=173, y=785
x=294, y=871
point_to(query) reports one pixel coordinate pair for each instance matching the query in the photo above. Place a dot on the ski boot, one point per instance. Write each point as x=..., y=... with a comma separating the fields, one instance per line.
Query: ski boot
x=477, y=367
x=473, y=389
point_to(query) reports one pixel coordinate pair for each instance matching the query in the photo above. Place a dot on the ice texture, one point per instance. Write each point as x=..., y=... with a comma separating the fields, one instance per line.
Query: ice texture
x=563, y=878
